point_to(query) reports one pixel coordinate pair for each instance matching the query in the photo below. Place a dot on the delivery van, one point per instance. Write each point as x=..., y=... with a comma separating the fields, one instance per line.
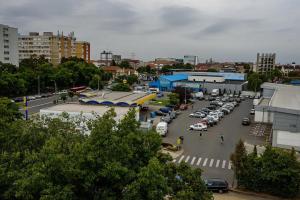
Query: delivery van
x=162, y=128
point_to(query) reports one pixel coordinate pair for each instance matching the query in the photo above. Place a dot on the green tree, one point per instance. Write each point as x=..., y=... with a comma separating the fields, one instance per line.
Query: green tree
x=121, y=87
x=238, y=159
x=254, y=81
x=212, y=70
x=96, y=82
x=173, y=98
x=125, y=64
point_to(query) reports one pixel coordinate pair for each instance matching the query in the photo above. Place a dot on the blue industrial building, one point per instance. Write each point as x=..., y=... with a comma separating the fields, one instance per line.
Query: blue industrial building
x=231, y=81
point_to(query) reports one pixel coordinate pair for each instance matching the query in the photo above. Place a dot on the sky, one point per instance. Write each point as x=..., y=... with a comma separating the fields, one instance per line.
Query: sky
x=225, y=30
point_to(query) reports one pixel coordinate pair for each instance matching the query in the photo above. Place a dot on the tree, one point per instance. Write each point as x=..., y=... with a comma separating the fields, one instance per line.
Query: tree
x=173, y=98
x=238, y=159
x=183, y=93
x=96, y=83
x=254, y=81
x=121, y=87
x=212, y=70
x=113, y=63
x=125, y=64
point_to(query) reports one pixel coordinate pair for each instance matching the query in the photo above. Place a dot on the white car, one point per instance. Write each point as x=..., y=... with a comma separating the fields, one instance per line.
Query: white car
x=198, y=127
x=215, y=118
x=197, y=115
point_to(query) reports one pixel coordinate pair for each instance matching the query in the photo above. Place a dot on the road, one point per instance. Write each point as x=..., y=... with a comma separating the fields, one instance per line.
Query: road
x=206, y=151
x=34, y=106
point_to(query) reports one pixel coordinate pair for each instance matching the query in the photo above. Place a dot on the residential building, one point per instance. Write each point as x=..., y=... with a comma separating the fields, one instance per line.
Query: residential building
x=117, y=58
x=53, y=47
x=281, y=112
x=118, y=71
x=190, y=59
x=9, y=45
x=265, y=63
x=286, y=69
x=82, y=50
x=106, y=57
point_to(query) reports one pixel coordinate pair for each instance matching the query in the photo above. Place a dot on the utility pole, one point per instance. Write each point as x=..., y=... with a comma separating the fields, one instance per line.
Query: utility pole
x=39, y=92
x=185, y=93
x=98, y=83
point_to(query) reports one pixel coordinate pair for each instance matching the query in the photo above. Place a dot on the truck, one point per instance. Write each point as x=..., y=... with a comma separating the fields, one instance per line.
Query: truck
x=215, y=92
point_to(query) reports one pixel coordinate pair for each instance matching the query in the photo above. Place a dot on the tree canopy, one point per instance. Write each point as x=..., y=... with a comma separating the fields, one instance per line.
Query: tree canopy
x=51, y=159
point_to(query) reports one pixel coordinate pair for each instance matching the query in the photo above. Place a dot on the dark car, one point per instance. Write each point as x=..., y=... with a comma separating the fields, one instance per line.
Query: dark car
x=211, y=107
x=246, y=121
x=206, y=110
x=217, y=184
x=165, y=109
x=211, y=98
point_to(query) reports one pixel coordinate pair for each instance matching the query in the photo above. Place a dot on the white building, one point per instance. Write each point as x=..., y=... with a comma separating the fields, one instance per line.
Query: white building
x=189, y=59
x=9, y=45
x=280, y=106
x=265, y=63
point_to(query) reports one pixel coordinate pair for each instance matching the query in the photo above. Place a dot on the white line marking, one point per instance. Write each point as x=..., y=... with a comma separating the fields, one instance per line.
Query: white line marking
x=187, y=159
x=205, y=161
x=229, y=165
x=39, y=105
x=199, y=160
x=180, y=159
x=211, y=163
x=218, y=162
x=224, y=163
x=193, y=160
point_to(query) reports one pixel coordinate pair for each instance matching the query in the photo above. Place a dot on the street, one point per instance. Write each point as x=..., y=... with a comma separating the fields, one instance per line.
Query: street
x=206, y=151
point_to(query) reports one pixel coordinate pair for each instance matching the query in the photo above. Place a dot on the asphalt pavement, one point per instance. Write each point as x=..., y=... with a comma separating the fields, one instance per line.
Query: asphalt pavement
x=206, y=151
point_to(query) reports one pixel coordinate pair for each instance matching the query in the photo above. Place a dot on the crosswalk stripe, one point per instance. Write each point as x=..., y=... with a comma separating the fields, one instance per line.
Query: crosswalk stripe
x=229, y=165
x=211, y=163
x=205, y=161
x=199, y=160
x=217, y=164
x=180, y=159
x=193, y=160
x=187, y=159
x=224, y=163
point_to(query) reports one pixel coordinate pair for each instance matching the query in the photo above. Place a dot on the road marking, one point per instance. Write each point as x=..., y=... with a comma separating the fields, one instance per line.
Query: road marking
x=224, y=163
x=229, y=165
x=40, y=105
x=199, y=160
x=187, y=159
x=217, y=164
x=180, y=159
x=193, y=160
x=205, y=161
x=211, y=163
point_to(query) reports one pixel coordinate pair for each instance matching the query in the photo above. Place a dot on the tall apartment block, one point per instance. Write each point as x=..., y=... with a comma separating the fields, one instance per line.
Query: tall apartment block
x=9, y=45
x=265, y=63
x=53, y=47
x=190, y=59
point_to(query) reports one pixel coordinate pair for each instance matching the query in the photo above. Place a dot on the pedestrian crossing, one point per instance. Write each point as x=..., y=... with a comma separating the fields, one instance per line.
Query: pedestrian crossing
x=204, y=162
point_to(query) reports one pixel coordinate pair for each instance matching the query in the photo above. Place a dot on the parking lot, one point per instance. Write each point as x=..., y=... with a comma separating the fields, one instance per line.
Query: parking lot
x=206, y=151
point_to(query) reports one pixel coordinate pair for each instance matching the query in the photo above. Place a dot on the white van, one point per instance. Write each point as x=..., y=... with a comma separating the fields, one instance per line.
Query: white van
x=162, y=128
x=215, y=92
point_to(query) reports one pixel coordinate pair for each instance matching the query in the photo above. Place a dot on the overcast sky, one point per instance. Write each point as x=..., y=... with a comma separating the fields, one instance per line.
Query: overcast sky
x=226, y=30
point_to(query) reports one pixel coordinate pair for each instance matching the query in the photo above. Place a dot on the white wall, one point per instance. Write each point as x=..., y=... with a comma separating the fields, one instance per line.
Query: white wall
x=207, y=79
x=266, y=116
x=286, y=139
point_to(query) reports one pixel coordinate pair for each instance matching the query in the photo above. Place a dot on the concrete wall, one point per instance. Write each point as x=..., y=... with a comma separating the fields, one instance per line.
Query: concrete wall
x=12, y=42
x=286, y=122
x=207, y=79
x=286, y=139
x=268, y=93
x=264, y=116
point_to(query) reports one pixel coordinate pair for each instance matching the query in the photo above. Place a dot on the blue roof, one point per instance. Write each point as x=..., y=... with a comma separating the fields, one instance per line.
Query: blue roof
x=176, y=77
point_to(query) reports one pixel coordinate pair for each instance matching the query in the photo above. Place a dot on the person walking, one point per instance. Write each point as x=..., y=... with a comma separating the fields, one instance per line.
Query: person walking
x=181, y=138
x=222, y=139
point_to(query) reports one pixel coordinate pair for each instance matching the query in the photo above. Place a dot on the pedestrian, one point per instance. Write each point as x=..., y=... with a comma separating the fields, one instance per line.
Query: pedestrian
x=222, y=139
x=200, y=134
x=181, y=138
x=192, y=107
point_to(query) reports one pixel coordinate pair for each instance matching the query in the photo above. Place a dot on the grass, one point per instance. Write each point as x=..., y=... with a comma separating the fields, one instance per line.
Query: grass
x=160, y=102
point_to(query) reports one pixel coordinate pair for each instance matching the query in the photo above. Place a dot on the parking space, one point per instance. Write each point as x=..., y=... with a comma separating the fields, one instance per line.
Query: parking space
x=206, y=151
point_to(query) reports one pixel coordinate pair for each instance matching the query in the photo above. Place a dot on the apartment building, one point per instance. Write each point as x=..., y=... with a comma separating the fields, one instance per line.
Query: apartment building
x=190, y=59
x=53, y=47
x=9, y=45
x=265, y=63
x=82, y=50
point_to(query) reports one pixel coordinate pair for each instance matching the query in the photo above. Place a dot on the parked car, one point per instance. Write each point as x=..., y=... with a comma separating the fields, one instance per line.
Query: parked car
x=197, y=115
x=211, y=107
x=159, y=113
x=160, y=94
x=211, y=98
x=246, y=121
x=225, y=110
x=166, y=118
x=162, y=128
x=144, y=108
x=252, y=112
x=198, y=127
x=183, y=107
x=166, y=109
x=208, y=122
x=217, y=184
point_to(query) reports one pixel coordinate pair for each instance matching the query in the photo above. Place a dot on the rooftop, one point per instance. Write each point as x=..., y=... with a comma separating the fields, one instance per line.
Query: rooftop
x=226, y=75
x=175, y=77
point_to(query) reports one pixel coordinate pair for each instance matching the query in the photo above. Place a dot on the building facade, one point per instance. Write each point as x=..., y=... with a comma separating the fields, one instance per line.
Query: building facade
x=9, y=45
x=189, y=59
x=265, y=63
x=52, y=47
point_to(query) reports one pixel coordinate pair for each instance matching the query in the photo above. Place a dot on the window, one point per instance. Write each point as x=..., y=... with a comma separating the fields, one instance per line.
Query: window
x=6, y=46
x=6, y=41
x=6, y=52
x=6, y=58
x=5, y=35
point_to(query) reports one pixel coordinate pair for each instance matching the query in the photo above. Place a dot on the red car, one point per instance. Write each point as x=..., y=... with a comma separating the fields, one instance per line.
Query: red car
x=183, y=107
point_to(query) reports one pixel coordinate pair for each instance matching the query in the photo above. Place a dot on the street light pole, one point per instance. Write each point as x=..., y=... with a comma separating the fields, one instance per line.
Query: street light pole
x=39, y=92
x=185, y=93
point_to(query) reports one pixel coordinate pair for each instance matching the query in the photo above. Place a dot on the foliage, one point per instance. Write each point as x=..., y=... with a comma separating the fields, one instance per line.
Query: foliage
x=50, y=159
x=212, y=70
x=131, y=79
x=276, y=171
x=125, y=64
x=9, y=112
x=121, y=87
x=96, y=82
x=173, y=98
x=24, y=80
x=146, y=70
x=167, y=68
x=254, y=81
x=183, y=93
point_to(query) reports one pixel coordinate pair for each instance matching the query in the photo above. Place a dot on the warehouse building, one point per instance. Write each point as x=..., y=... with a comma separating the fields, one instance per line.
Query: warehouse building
x=204, y=81
x=280, y=106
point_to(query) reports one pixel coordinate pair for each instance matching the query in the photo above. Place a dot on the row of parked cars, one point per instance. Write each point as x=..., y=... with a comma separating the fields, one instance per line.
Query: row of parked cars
x=212, y=114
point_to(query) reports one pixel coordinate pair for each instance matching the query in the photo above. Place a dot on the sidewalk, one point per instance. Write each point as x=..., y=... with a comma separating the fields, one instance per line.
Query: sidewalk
x=243, y=196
